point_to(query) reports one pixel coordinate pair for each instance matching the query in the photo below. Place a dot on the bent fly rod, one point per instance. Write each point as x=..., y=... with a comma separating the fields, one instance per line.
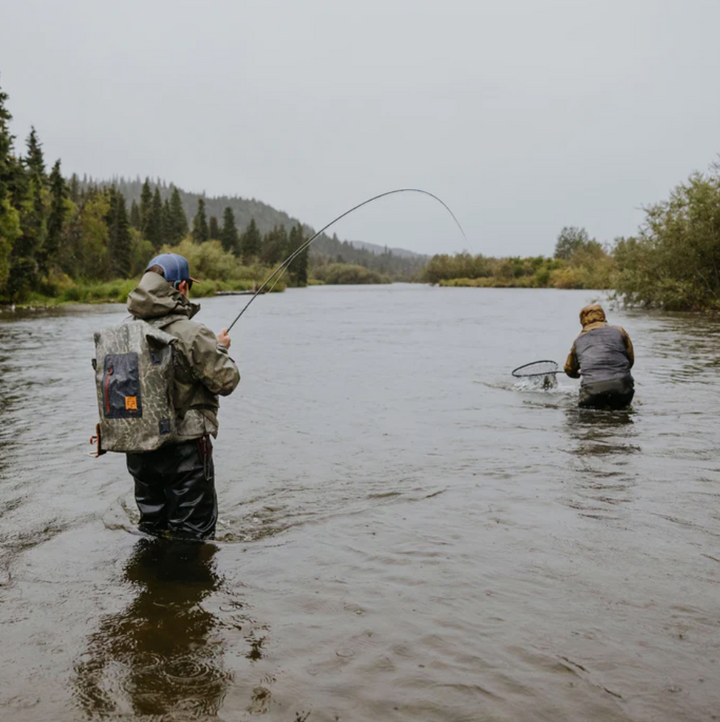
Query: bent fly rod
x=283, y=266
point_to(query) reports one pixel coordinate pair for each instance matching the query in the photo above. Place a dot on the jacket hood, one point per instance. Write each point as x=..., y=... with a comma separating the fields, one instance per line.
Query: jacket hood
x=592, y=314
x=155, y=297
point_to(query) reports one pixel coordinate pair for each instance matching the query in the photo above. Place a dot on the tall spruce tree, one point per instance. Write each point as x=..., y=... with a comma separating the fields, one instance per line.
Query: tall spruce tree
x=35, y=163
x=214, y=229
x=166, y=220
x=18, y=181
x=178, y=227
x=9, y=217
x=229, y=236
x=298, y=268
x=34, y=160
x=6, y=144
x=250, y=243
x=56, y=219
x=274, y=246
x=200, y=231
x=74, y=189
x=135, y=215
x=26, y=258
x=119, y=238
x=154, y=229
x=146, y=199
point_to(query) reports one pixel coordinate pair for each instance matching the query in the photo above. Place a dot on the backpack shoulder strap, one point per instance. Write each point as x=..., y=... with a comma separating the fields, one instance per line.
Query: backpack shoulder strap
x=154, y=329
x=163, y=321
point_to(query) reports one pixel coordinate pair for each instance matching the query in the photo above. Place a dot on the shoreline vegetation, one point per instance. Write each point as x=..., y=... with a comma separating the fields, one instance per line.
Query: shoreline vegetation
x=672, y=263
x=589, y=265
x=72, y=241
x=117, y=290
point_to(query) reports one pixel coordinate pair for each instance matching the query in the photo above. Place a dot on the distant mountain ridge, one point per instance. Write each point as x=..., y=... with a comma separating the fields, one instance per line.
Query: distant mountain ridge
x=377, y=250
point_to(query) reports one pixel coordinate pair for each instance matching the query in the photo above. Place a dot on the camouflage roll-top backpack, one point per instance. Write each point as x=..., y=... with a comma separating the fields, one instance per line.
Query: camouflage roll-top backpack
x=134, y=371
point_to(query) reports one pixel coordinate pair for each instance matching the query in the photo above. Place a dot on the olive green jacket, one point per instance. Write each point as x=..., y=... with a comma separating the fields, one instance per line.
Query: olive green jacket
x=204, y=368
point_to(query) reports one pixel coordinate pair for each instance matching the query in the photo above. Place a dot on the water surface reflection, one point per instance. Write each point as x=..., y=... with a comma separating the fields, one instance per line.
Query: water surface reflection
x=602, y=446
x=159, y=654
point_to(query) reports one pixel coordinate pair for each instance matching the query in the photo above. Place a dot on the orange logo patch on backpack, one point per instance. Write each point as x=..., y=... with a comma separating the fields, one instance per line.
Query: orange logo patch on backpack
x=131, y=403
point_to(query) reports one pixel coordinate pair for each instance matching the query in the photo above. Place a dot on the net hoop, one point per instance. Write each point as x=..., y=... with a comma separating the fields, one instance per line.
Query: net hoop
x=535, y=369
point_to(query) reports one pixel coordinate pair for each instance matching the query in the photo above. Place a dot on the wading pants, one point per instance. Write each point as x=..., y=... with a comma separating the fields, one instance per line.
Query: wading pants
x=175, y=489
x=611, y=395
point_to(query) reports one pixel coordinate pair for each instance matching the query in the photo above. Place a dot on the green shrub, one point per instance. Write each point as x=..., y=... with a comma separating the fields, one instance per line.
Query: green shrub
x=70, y=295
x=346, y=273
x=211, y=287
x=589, y=266
x=674, y=261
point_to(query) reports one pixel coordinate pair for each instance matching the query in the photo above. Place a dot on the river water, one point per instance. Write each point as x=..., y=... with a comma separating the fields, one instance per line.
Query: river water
x=405, y=534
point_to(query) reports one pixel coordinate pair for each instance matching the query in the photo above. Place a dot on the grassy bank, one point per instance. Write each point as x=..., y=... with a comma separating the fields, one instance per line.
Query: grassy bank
x=117, y=291
x=492, y=282
x=60, y=289
x=346, y=273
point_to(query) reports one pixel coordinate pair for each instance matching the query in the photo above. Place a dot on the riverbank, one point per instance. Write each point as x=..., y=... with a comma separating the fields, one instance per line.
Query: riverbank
x=117, y=292
x=521, y=282
x=65, y=291
x=591, y=268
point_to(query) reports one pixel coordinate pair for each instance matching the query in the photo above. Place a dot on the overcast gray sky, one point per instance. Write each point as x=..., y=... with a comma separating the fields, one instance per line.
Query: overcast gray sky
x=524, y=116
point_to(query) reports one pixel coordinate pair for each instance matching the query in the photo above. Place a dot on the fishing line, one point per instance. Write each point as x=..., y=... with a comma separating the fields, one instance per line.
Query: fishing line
x=281, y=268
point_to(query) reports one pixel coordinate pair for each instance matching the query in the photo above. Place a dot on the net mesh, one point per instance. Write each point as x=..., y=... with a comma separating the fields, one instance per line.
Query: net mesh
x=536, y=368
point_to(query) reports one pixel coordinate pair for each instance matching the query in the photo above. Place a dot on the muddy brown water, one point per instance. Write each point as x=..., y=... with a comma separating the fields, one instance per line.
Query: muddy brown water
x=405, y=533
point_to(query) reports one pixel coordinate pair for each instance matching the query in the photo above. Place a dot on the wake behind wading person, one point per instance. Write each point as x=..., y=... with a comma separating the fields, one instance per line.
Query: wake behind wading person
x=158, y=378
x=602, y=356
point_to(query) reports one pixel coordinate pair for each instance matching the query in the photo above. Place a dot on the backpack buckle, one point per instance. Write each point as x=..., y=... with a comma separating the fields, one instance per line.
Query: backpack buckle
x=95, y=441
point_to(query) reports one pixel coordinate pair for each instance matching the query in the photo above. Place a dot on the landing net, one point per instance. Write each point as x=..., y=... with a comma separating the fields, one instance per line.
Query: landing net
x=536, y=368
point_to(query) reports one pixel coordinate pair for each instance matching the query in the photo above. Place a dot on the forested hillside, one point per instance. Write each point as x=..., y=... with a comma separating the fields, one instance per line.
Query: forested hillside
x=397, y=265
x=244, y=209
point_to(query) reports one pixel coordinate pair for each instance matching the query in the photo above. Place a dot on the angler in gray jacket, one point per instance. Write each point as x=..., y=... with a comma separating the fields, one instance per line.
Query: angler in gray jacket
x=602, y=357
x=175, y=484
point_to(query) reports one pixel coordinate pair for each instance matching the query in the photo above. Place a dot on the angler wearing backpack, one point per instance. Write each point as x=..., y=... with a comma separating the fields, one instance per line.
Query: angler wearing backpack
x=158, y=378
